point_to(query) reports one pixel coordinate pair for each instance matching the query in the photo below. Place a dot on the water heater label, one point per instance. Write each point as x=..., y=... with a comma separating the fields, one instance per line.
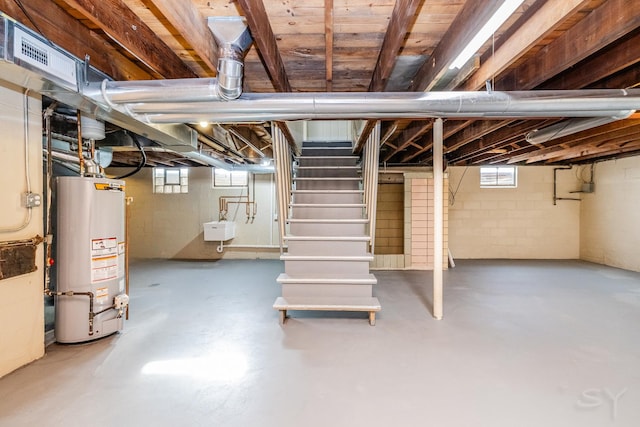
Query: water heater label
x=102, y=295
x=104, y=259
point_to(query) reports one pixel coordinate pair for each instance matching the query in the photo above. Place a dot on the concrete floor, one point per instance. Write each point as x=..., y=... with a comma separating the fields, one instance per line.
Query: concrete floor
x=523, y=343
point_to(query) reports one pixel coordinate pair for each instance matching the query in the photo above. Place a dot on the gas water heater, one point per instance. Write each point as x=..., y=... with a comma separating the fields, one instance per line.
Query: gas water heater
x=90, y=296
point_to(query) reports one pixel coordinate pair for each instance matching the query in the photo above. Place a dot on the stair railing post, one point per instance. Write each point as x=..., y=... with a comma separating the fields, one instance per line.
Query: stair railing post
x=370, y=160
x=282, y=161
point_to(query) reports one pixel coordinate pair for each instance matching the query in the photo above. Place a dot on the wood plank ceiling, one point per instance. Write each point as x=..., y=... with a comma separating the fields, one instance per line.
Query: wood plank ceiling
x=377, y=45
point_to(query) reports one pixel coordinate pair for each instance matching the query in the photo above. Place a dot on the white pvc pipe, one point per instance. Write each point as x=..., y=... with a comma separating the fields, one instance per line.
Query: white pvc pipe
x=438, y=218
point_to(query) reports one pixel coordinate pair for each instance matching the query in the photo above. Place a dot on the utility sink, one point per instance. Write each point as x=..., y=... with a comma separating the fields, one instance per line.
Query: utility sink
x=219, y=230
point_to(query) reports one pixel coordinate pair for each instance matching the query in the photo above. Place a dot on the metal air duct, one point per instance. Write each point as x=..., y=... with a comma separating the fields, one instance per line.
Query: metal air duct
x=251, y=107
x=233, y=39
x=571, y=126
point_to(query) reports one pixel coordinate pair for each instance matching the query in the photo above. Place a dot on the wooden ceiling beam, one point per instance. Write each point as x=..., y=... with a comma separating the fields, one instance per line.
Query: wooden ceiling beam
x=599, y=135
x=600, y=28
x=534, y=29
x=499, y=138
x=191, y=25
x=399, y=24
x=613, y=144
x=472, y=16
x=68, y=33
x=467, y=23
x=627, y=150
x=265, y=40
x=401, y=19
x=607, y=62
x=328, y=43
x=566, y=46
x=127, y=29
x=409, y=135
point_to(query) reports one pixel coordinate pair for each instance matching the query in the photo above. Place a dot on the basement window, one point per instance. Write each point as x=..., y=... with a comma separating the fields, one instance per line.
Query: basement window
x=170, y=181
x=498, y=177
x=225, y=178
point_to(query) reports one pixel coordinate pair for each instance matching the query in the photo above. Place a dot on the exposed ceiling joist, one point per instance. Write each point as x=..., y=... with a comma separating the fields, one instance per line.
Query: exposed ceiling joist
x=125, y=27
x=63, y=30
x=625, y=54
x=601, y=134
x=265, y=40
x=328, y=42
x=189, y=22
x=347, y=45
x=468, y=22
x=401, y=19
x=612, y=145
x=543, y=21
x=600, y=28
x=409, y=135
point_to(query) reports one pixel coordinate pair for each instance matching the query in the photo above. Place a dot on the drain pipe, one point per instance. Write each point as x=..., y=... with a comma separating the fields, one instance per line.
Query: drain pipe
x=555, y=185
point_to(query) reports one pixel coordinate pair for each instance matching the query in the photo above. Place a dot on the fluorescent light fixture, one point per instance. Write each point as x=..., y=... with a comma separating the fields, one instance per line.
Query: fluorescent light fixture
x=498, y=18
x=204, y=124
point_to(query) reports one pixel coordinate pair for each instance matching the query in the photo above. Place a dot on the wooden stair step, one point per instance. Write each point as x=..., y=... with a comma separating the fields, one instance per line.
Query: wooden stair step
x=328, y=238
x=367, y=304
x=327, y=205
x=329, y=167
x=328, y=178
x=364, y=279
x=327, y=221
x=327, y=191
x=336, y=258
x=327, y=157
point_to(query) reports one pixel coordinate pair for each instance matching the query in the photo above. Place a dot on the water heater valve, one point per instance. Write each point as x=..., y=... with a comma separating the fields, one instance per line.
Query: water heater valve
x=120, y=301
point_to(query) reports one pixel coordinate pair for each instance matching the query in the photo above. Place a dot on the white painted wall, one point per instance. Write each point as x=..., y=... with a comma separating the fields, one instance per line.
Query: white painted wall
x=170, y=225
x=610, y=216
x=332, y=130
x=21, y=297
x=518, y=223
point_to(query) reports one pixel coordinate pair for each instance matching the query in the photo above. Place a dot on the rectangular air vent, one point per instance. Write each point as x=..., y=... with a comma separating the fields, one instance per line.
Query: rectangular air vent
x=29, y=50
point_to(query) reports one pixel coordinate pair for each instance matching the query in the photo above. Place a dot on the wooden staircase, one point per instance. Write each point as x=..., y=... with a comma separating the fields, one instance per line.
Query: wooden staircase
x=327, y=263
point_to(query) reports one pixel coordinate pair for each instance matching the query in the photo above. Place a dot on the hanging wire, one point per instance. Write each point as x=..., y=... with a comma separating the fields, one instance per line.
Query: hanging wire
x=453, y=193
x=143, y=160
x=28, y=15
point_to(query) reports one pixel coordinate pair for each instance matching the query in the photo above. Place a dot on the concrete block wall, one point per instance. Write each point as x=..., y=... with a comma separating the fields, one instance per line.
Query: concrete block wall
x=419, y=221
x=170, y=226
x=516, y=223
x=609, y=224
x=389, y=250
x=390, y=220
